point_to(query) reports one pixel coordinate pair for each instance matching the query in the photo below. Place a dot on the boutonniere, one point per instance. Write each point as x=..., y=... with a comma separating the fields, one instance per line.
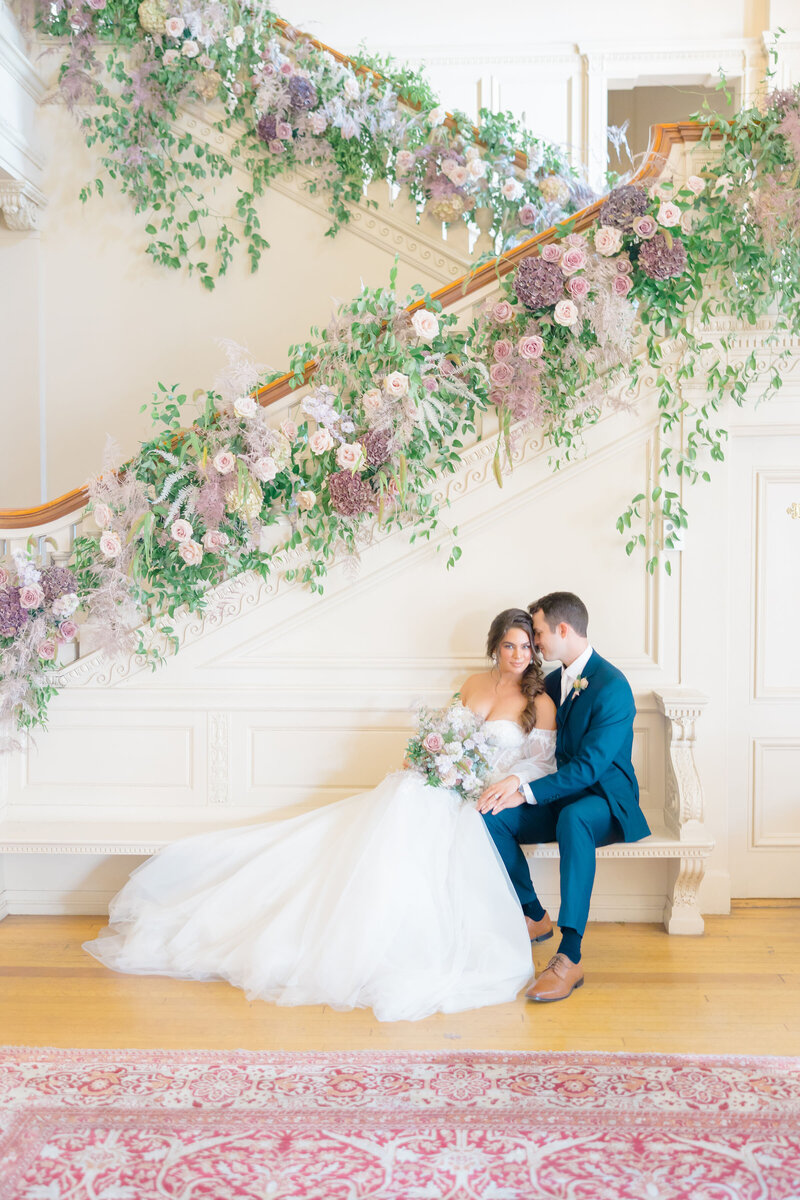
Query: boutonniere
x=580, y=685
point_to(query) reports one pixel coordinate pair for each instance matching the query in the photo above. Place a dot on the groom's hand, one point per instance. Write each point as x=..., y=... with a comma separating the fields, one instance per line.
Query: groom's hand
x=498, y=796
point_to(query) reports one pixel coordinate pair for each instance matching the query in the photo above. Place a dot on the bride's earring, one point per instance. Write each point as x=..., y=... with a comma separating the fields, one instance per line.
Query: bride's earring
x=494, y=659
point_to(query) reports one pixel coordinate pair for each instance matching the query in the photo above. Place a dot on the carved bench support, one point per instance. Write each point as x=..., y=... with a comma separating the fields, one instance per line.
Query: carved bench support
x=681, y=913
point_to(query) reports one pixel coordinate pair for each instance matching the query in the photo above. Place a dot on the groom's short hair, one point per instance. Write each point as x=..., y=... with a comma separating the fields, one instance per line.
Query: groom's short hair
x=562, y=606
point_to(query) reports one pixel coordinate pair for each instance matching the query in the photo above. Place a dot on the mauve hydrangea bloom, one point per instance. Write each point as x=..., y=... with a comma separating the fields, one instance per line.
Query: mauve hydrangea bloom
x=12, y=617
x=267, y=128
x=538, y=283
x=623, y=206
x=302, y=94
x=376, y=446
x=56, y=581
x=660, y=260
x=350, y=494
x=783, y=99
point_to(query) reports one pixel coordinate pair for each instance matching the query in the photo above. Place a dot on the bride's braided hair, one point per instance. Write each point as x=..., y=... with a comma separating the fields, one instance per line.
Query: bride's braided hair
x=532, y=681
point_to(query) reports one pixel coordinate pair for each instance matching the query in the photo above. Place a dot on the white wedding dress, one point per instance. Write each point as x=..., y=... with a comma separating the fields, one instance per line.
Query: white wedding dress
x=394, y=899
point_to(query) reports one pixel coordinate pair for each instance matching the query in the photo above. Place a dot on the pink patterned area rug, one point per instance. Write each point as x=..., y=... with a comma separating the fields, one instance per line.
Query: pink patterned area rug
x=206, y=1125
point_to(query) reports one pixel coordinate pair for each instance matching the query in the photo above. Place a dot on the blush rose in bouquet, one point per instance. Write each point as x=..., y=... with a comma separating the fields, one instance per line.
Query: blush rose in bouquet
x=450, y=749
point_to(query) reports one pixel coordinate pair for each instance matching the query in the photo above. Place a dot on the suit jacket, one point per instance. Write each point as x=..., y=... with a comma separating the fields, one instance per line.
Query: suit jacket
x=594, y=740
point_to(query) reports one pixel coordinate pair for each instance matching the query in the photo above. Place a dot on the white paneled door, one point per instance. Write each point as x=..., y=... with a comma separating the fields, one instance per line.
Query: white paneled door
x=765, y=666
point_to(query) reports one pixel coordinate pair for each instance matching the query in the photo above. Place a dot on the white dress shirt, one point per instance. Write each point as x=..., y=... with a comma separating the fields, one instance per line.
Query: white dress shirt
x=568, y=676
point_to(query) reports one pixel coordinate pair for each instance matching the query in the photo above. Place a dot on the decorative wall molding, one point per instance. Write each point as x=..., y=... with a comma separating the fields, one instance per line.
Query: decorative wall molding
x=219, y=734
x=21, y=205
x=759, y=837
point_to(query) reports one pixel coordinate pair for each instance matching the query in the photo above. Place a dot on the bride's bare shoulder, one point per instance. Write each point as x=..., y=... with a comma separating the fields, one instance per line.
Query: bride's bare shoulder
x=545, y=711
x=474, y=685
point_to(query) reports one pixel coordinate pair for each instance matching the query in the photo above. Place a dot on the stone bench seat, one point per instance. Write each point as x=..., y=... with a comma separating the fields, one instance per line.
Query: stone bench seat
x=139, y=838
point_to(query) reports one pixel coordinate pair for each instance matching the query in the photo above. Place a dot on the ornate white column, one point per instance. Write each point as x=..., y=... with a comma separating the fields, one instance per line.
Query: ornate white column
x=21, y=205
x=683, y=808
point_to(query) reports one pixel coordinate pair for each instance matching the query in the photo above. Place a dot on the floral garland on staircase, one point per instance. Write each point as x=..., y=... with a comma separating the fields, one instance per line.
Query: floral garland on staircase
x=396, y=389
x=282, y=101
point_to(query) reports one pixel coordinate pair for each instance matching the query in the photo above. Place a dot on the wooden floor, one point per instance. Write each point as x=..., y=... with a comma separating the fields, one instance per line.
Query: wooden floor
x=736, y=990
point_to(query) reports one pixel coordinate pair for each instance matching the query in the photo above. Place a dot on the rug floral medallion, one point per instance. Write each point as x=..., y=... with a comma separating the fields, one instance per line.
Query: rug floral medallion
x=206, y=1125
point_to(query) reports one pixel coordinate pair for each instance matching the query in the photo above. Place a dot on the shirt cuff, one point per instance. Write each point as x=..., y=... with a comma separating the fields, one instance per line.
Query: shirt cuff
x=527, y=794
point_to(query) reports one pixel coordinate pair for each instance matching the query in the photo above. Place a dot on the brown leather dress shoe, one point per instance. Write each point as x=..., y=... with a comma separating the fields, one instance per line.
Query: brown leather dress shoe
x=539, y=931
x=557, y=981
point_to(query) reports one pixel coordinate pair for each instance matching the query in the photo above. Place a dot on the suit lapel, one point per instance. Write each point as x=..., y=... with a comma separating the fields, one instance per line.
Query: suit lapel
x=573, y=696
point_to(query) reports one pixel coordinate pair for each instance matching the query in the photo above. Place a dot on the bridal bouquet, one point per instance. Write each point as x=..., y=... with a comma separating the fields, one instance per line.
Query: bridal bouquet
x=451, y=750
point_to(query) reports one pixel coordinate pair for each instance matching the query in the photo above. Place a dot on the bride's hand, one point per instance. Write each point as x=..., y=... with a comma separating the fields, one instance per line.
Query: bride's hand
x=498, y=796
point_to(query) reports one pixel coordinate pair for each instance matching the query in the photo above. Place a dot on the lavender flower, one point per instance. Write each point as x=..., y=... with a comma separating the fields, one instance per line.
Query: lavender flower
x=267, y=128
x=661, y=260
x=538, y=283
x=302, y=94
x=12, y=617
x=56, y=581
x=623, y=206
x=350, y=494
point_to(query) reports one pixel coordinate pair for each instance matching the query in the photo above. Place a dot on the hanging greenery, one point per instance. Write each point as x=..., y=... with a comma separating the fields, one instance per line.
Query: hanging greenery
x=281, y=101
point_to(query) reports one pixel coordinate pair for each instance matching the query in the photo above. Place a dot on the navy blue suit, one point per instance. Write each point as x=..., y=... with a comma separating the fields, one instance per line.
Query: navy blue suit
x=591, y=800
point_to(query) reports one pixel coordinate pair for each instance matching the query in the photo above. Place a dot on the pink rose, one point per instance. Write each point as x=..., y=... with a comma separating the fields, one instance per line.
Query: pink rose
x=174, y=26
x=67, y=631
x=645, y=226
x=224, y=462
x=110, y=543
x=265, y=469
x=102, y=515
x=318, y=123
x=396, y=384
x=607, y=240
x=502, y=349
x=501, y=374
x=215, y=539
x=497, y=398
x=434, y=743
x=237, y=88
x=687, y=221
x=624, y=265
x=695, y=184
x=668, y=214
x=477, y=168
x=404, y=161
x=206, y=62
x=551, y=252
x=245, y=406
x=46, y=649
x=171, y=57
x=190, y=49
x=283, y=130
x=526, y=214
x=512, y=189
x=4, y=577
x=621, y=285
x=576, y=239
x=531, y=347
x=372, y=400
x=459, y=175
x=425, y=324
x=565, y=313
x=502, y=312
x=320, y=441
x=289, y=430
x=573, y=260
x=191, y=552
x=181, y=531
x=306, y=500
x=276, y=146
x=578, y=287
x=350, y=456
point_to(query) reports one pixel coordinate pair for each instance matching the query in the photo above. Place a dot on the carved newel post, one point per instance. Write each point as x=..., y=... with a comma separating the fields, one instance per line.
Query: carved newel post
x=683, y=808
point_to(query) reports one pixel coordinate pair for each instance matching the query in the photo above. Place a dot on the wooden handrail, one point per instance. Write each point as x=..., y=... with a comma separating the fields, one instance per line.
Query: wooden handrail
x=662, y=140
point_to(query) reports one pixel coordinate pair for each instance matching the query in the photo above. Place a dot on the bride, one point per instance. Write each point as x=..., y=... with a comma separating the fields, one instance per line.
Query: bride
x=394, y=899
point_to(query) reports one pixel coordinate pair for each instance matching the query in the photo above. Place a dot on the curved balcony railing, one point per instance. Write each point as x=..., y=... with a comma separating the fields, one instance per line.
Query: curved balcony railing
x=662, y=139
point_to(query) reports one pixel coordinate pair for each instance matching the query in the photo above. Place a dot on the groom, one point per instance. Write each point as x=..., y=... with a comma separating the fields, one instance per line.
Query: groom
x=591, y=800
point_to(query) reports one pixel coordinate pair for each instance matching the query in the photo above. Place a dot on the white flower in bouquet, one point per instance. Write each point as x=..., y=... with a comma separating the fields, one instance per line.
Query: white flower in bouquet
x=449, y=750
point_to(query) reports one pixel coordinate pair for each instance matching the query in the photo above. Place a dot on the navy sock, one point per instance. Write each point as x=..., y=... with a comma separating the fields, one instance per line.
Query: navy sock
x=570, y=944
x=533, y=910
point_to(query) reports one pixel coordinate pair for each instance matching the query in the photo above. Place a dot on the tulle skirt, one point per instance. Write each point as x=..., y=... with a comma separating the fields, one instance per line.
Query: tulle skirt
x=394, y=899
